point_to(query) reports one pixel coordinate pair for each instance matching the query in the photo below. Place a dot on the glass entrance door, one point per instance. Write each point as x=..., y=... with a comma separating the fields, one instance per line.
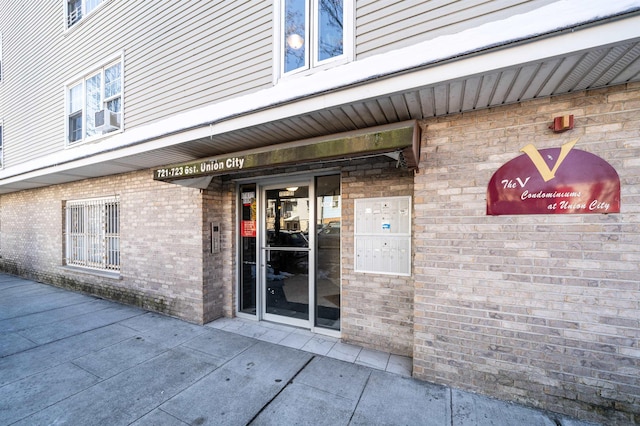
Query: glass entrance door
x=287, y=255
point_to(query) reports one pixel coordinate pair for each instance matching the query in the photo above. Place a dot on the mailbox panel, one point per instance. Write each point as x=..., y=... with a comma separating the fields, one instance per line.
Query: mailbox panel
x=383, y=235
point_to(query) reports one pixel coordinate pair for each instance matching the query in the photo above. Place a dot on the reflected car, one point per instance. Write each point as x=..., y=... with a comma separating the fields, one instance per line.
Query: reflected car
x=287, y=239
x=329, y=235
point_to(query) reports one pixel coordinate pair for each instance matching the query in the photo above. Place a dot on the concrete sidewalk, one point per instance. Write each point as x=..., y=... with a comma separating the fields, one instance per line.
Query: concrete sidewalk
x=67, y=358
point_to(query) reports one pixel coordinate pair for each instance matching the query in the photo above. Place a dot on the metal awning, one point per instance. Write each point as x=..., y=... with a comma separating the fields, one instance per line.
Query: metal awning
x=400, y=141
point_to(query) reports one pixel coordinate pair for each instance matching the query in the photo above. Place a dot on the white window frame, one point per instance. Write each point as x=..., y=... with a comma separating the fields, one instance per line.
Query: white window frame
x=84, y=5
x=82, y=80
x=92, y=233
x=311, y=65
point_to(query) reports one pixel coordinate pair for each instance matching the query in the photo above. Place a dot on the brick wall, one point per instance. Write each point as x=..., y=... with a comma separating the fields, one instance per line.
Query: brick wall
x=541, y=309
x=161, y=242
x=219, y=269
x=213, y=281
x=229, y=265
x=377, y=310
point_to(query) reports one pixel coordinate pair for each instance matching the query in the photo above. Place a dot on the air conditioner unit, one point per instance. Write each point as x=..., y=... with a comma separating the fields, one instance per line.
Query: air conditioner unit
x=106, y=121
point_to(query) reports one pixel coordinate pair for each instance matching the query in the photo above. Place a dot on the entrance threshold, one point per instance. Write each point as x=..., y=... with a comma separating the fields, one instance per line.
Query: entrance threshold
x=319, y=344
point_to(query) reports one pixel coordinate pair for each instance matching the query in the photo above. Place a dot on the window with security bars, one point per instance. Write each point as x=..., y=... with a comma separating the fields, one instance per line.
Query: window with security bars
x=93, y=233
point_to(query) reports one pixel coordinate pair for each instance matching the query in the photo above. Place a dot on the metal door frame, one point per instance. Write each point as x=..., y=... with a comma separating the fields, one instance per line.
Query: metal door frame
x=263, y=250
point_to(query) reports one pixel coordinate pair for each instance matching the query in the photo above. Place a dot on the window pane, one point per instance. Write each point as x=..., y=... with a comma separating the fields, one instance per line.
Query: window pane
x=94, y=103
x=76, y=230
x=112, y=235
x=113, y=87
x=330, y=33
x=91, y=4
x=295, y=35
x=112, y=81
x=75, y=127
x=114, y=105
x=95, y=235
x=75, y=99
x=74, y=11
x=75, y=113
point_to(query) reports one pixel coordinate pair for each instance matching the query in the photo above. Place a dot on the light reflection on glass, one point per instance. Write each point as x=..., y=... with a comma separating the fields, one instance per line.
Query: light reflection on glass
x=328, y=16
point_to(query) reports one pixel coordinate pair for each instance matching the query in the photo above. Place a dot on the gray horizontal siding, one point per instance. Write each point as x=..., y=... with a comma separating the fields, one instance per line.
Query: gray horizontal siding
x=202, y=65
x=178, y=55
x=386, y=25
x=30, y=103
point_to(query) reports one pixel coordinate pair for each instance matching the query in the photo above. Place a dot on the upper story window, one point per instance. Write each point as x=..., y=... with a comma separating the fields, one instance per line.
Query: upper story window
x=77, y=9
x=94, y=104
x=314, y=33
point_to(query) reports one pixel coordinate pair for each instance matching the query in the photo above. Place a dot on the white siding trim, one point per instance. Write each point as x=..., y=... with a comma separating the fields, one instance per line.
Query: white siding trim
x=275, y=37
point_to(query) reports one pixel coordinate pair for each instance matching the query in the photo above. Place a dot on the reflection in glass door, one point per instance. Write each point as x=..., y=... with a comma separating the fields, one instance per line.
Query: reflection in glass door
x=286, y=254
x=248, y=272
x=327, y=277
x=289, y=255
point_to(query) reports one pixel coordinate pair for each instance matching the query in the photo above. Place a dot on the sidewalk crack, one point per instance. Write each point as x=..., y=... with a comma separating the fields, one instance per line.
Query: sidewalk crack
x=355, y=407
x=281, y=390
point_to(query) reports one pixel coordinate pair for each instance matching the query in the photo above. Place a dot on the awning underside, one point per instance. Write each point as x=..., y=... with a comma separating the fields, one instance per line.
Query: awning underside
x=400, y=141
